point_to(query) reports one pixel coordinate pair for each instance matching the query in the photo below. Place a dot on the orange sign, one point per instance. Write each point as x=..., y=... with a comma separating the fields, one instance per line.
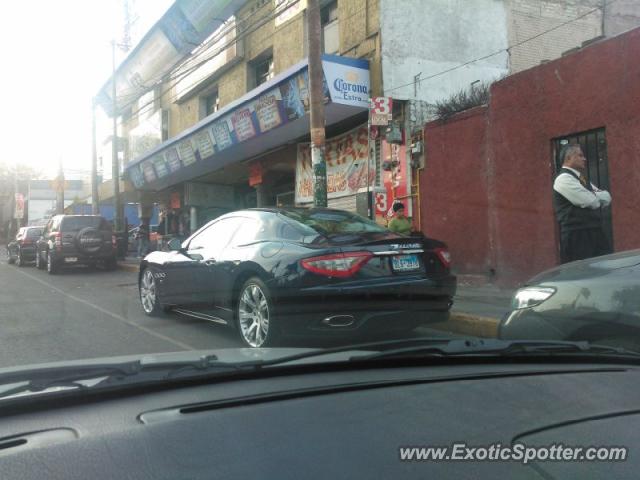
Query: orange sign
x=397, y=182
x=175, y=200
x=255, y=174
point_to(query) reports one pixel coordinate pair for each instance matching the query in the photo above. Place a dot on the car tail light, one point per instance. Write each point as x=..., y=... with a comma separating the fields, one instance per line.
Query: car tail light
x=444, y=256
x=337, y=265
x=57, y=240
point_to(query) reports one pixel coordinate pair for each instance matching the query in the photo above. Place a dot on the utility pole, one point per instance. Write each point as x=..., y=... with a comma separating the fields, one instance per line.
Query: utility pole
x=115, y=164
x=15, y=220
x=94, y=163
x=316, y=97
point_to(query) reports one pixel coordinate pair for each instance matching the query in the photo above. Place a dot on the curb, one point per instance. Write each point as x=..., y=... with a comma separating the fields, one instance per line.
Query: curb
x=128, y=267
x=468, y=324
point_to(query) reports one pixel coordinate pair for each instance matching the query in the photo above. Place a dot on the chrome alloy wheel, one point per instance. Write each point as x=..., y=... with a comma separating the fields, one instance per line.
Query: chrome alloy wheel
x=253, y=312
x=148, y=292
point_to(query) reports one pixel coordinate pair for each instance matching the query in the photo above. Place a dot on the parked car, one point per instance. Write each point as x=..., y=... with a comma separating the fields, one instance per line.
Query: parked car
x=596, y=300
x=76, y=240
x=300, y=271
x=22, y=249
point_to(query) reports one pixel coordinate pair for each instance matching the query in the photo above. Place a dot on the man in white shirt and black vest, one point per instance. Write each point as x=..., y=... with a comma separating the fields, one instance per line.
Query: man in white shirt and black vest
x=578, y=204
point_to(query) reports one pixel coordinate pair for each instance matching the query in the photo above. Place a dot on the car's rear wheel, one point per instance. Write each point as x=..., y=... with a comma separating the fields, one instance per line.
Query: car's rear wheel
x=149, y=295
x=20, y=259
x=110, y=264
x=52, y=268
x=255, y=315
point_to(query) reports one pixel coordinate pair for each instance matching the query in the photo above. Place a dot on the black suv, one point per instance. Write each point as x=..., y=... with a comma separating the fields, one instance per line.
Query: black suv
x=76, y=240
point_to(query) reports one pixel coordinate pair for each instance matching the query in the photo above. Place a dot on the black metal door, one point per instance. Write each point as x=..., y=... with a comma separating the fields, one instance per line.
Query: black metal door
x=594, y=146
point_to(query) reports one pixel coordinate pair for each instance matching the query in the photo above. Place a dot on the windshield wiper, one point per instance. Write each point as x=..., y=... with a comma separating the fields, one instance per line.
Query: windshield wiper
x=453, y=347
x=86, y=377
x=40, y=380
x=501, y=348
x=92, y=377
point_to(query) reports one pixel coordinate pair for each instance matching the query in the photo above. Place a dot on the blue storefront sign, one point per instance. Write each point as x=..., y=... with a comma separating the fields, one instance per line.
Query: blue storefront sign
x=284, y=102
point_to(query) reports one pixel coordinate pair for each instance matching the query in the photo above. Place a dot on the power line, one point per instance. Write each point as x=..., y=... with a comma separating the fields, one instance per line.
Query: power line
x=180, y=75
x=503, y=50
x=263, y=20
x=200, y=48
x=215, y=37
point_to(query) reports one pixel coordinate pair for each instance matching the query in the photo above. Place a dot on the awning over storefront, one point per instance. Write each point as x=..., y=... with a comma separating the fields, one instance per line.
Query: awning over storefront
x=274, y=114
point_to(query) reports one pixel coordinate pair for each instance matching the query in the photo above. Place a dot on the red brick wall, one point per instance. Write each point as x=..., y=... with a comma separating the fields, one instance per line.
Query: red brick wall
x=487, y=185
x=454, y=202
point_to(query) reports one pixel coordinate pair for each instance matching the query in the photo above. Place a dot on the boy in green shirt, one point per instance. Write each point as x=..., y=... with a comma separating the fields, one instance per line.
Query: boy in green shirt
x=399, y=223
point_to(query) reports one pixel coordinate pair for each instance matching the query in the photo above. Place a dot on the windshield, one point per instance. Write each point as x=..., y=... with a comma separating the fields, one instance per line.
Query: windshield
x=187, y=186
x=75, y=224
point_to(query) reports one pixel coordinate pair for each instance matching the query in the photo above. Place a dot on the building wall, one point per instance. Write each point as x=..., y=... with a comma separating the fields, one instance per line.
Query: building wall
x=621, y=16
x=593, y=88
x=259, y=34
x=252, y=14
x=454, y=200
x=429, y=37
x=528, y=18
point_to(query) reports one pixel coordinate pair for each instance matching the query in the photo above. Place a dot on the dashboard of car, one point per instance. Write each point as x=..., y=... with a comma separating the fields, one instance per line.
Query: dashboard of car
x=333, y=424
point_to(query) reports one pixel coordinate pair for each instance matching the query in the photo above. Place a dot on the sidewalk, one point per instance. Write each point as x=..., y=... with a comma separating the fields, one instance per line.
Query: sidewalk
x=129, y=264
x=477, y=309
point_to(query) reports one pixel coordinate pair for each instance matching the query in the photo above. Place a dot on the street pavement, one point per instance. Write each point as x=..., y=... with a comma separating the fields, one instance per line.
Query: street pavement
x=89, y=313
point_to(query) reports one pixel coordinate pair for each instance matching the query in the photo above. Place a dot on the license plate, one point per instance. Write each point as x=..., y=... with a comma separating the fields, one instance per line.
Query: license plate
x=71, y=259
x=403, y=263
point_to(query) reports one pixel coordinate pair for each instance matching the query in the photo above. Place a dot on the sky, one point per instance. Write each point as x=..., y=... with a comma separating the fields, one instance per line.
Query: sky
x=56, y=55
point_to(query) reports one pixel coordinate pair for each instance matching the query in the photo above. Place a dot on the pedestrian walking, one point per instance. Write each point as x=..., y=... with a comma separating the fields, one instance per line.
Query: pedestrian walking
x=142, y=237
x=578, y=205
x=399, y=223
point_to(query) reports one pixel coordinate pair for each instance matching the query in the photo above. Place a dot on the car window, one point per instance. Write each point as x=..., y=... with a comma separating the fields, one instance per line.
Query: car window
x=34, y=233
x=333, y=222
x=249, y=231
x=285, y=231
x=215, y=237
x=75, y=224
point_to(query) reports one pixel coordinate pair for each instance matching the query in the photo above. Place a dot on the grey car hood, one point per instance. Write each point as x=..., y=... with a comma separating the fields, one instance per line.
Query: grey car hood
x=589, y=268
